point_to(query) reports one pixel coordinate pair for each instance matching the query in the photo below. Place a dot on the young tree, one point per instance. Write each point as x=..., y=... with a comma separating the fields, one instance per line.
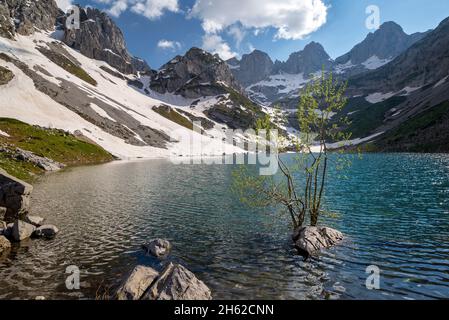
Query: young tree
x=299, y=187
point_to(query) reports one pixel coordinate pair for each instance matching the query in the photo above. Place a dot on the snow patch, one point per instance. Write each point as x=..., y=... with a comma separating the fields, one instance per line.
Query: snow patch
x=379, y=97
x=3, y=133
x=374, y=62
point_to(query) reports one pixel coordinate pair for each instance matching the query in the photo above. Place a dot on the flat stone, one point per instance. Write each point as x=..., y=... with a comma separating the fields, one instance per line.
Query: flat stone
x=310, y=240
x=21, y=230
x=136, y=284
x=34, y=220
x=47, y=231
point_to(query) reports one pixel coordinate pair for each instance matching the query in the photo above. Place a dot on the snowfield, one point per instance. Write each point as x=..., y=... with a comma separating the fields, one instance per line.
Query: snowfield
x=22, y=101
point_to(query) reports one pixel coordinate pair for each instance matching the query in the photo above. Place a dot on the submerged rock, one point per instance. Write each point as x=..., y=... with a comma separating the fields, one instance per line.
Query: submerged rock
x=158, y=247
x=177, y=283
x=4, y=245
x=21, y=230
x=310, y=240
x=2, y=213
x=137, y=283
x=47, y=231
x=2, y=227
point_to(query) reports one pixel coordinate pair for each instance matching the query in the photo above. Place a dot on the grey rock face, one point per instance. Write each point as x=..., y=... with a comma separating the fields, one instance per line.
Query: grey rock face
x=21, y=230
x=100, y=38
x=196, y=74
x=253, y=67
x=177, y=283
x=158, y=247
x=137, y=283
x=4, y=245
x=310, y=60
x=387, y=42
x=46, y=231
x=26, y=16
x=41, y=162
x=14, y=196
x=310, y=240
x=424, y=63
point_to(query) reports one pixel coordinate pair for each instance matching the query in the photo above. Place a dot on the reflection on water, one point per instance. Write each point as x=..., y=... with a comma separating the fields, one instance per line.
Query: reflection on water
x=393, y=208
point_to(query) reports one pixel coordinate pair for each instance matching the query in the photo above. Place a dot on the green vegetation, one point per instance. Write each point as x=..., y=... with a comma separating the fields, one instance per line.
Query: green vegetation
x=68, y=65
x=174, y=116
x=50, y=143
x=367, y=116
x=425, y=132
x=298, y=188
x=242, y=100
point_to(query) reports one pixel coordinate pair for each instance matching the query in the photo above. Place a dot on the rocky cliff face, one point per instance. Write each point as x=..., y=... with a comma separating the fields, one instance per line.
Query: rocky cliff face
x=196, y=74
x=311, y=59
x=253, y=67
x=378, y=48
x=24, y=16
x=100, y=38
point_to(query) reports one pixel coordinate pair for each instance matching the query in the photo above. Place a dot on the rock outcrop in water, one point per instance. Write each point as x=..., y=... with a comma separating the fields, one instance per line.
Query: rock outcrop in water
x=5, y=245
x=158, y=248
x=310, y=240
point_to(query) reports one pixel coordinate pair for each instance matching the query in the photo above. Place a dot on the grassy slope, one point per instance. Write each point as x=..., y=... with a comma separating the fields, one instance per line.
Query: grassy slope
x=51, y=143
x=174, y=116
x=426, y=132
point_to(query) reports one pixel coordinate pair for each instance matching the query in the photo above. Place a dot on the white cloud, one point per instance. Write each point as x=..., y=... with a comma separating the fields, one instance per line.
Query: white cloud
x=216, y=45
x=169, y=45
x=118, y=7
x=293, y=19
x=64, y=4
x=152, y=9
x=237, y=33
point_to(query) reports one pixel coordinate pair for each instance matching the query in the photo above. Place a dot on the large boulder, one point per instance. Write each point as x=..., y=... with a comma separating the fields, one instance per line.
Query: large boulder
x=47, y=231
x=4, y=245
x=137, y=283
x=310, y=240
x=158, y=248
x=41, y=162
x=177, y=283
x=14, y=196
x=21, y=230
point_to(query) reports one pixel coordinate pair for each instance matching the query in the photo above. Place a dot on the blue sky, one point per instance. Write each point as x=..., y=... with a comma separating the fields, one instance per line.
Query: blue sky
x=157, y=30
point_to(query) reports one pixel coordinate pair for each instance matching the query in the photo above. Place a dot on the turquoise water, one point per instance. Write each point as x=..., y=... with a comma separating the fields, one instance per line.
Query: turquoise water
x=393, y=209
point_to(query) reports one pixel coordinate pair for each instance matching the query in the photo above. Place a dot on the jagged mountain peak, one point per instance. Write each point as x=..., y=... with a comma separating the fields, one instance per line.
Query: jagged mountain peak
x=253, y=67
x=100, y=38
x=198, y=73
x=384, y=44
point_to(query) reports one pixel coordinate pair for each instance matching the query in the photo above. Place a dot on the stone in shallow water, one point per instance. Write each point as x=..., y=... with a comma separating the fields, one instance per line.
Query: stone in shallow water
x=34, y=220
x=47, y=231
x=177, y=283
x=21, y=230
x=310, y=240
x=136, y=284
x=158, y=247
